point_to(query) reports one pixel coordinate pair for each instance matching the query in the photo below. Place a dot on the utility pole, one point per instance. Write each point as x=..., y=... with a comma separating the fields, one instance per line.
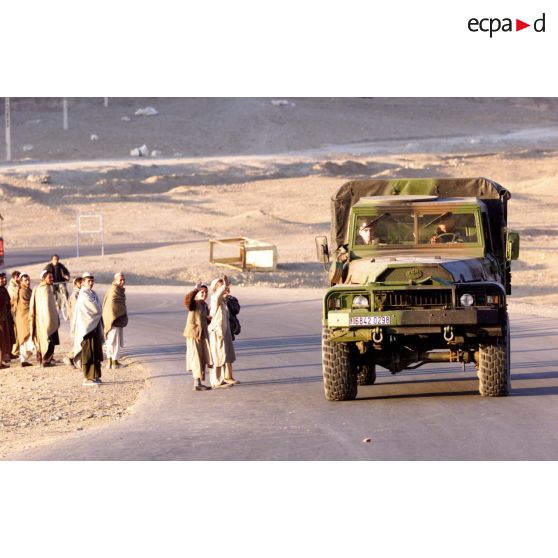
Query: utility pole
x=8, y=125
x=65, y=113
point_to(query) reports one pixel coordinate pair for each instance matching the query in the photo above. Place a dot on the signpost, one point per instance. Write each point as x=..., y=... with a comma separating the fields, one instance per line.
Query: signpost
x=8, y=124
x=90, y=223
x=65, y=113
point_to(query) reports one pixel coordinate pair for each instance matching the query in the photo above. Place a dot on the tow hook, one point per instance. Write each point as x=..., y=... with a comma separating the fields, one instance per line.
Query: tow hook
x=448, y=333
x=377, y=336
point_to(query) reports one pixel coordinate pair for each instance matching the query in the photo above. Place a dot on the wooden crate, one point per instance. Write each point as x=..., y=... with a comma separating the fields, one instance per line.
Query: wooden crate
x=243, y=254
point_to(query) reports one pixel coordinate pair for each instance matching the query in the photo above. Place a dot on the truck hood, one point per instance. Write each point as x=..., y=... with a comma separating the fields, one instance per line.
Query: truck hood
x=418, y=269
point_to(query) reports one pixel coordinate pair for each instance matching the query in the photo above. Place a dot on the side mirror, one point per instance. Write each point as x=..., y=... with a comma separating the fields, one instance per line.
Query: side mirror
x=512, y=246
x=322, y=250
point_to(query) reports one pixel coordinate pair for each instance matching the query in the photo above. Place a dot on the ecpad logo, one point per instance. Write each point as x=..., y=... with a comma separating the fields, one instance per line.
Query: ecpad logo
x=494, y=24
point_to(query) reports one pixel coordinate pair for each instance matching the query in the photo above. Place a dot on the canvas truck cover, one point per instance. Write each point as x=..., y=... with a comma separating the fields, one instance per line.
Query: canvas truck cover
x=494, y=195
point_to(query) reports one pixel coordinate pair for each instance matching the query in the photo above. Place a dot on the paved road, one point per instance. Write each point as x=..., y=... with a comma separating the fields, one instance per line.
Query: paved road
x=19, y=257
x=279, y=411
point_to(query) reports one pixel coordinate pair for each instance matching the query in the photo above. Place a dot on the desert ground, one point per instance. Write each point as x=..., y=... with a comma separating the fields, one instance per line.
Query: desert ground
x=262, y=169
x=40, y=405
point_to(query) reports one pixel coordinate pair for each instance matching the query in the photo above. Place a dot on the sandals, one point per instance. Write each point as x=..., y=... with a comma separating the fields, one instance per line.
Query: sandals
x=231, y=381
x=222, y=385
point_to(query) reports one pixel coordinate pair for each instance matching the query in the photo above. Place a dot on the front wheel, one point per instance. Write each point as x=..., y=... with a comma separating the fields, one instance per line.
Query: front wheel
x=340, y=381
x=64, y=308
x=494, y=370
x=62, y=303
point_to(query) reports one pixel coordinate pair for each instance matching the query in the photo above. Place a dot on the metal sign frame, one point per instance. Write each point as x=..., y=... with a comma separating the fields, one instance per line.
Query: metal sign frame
x=100, y=230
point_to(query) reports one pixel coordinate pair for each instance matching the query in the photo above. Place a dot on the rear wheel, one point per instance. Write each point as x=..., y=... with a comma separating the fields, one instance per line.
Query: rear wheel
x=366, y=374
x=494, y=369
x=340, y=381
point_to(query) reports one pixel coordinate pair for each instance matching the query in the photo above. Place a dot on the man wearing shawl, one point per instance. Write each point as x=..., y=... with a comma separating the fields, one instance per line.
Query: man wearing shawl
x=198, y=352
x=14, y=283
x=115, y=318
x=20, y=309
x=7, y=334
x=220, y=337
x=43, y=319
x=88, y=332
x=13, y=288
x=72, y=299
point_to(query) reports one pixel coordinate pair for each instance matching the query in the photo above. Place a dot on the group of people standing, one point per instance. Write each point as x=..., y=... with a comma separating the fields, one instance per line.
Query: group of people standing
x=29, y=324
x=209, y=334
x=29, y=321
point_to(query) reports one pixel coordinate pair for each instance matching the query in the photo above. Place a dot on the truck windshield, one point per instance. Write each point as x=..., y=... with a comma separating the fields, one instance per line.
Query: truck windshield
x=413, y=228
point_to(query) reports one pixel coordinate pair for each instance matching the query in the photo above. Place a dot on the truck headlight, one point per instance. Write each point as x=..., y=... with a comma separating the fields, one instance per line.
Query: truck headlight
x=466, y=299
x=361, y=301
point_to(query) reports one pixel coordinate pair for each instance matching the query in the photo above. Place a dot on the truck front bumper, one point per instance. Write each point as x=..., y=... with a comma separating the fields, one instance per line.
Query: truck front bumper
x=485, y=321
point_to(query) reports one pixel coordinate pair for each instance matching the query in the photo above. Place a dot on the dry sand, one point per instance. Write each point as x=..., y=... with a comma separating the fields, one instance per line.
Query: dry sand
x=182, y=210
x=233, y=167
x=42, y=405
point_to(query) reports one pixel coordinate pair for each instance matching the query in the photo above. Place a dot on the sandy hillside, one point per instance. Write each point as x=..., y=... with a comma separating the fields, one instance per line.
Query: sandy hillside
x=265, y=170
x=217, y=127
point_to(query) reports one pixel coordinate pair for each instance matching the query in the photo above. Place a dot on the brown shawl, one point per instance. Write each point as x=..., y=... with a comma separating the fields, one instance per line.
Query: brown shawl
x=197, y=320
x=114, y=308
x=5, y=304
x=6, y=321
x=20, y=305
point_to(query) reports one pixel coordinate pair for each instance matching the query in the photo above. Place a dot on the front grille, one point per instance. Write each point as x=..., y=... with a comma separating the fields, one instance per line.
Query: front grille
x=395, y=300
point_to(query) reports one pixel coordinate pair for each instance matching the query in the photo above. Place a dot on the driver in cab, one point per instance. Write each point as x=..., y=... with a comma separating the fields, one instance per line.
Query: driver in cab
x=445, y=232
x=367, y=234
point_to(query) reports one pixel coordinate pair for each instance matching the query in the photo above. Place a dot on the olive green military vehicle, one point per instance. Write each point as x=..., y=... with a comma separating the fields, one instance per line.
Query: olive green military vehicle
x=420, y=274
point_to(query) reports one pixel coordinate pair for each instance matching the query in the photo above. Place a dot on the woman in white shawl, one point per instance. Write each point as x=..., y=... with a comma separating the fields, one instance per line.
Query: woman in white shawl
x=88, y=332
x=220, y=337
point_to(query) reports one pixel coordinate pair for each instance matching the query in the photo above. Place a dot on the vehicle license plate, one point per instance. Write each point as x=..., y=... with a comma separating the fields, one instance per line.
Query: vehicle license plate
x=369, y=320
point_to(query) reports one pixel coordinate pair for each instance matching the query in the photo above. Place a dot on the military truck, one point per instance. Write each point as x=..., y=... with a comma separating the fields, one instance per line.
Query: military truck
x=420, y=274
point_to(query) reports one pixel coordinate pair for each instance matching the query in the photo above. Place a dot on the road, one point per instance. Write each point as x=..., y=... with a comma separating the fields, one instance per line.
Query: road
x=278, y=411
x=20, y=257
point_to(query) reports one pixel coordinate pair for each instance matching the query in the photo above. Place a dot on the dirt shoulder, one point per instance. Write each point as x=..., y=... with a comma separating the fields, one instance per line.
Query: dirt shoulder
x=39, y=406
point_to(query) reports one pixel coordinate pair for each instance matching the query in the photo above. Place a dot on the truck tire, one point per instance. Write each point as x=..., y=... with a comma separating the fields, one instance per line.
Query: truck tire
x=494, y=370
x=340, y=381
x=366, y=374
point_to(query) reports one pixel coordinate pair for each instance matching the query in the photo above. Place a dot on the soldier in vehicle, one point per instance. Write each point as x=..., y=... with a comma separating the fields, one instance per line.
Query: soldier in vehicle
x=367, y=233
x=446, y=232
